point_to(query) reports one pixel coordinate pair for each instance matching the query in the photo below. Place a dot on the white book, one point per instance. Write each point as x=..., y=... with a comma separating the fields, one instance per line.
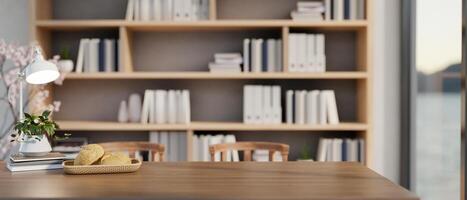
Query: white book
x=205, y=7
x=271, y=55
x=145, y=9
x=173, y=146
x=188, y=10
x=160, y=106
x=195, y=10
x=320, y=53
x=278, y=56
x=360, y=9
x=327, y=12
x=323, y=109
x=164, y=140
x=314, y=107
x=87, y=56
x=167, y=10
x=195, y=148
x=110, y=56
x=337, y=150
x=246, y=55
x=276, y=105
x=289, y=107
x=311, y=53
x=267, y=104
x=321, y=155
x=171, y=107
x=338, y=9
x=205, y=148
x=94, y=55
x=81, y=53
x=259, y=55
x=182, y=142
x=130, y=10
x=361, y=145
x=329, y=150
x=308, y=108
x=254, y=57
x=178, y=10
x=33, y=167
x=137, y=7
x=300, y=106
x=186, y=106
x=293, y=52
x=148, y=96
x=157, y=10
x=301, y=52
x=248, y=102
x=353, y=9
x=257, y=106
x=261, y=155
x=180, y=114
x=331, y=107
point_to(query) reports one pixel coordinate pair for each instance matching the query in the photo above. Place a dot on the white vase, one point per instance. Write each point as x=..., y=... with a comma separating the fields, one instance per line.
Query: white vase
x=65, y=65
x=123, y=112
x=134, y=108
x=33, y=147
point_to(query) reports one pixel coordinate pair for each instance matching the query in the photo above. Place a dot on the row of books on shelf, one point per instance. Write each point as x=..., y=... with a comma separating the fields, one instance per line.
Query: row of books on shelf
x=97, y=55
x=167, y=10
x=307, y=52
x=311, y=107
x=175, y=144
x=341, y=149
x=329, y=10
x=262, y=55
x=262, y=104
x=166, y=107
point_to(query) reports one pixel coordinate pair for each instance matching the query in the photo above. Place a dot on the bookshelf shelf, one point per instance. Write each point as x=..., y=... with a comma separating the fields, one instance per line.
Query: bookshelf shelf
x=214, y=24
x=208, y=75
x=203, y=126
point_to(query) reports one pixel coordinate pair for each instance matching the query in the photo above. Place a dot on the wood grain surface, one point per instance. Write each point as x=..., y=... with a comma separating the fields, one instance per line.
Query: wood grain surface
x=208, y=180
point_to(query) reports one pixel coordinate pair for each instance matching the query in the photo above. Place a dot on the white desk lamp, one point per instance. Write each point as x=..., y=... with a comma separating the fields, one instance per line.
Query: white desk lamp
x=39, y=71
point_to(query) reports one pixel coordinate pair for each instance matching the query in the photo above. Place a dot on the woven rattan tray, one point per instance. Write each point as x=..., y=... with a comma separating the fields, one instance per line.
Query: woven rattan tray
x=69, y=168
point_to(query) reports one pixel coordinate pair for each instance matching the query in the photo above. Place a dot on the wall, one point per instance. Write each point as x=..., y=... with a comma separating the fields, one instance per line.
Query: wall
x=386, y=81
x=14, y=27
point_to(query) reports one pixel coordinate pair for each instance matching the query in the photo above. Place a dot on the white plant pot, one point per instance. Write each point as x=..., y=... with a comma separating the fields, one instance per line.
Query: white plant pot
x=65, y=65
x=33, y=147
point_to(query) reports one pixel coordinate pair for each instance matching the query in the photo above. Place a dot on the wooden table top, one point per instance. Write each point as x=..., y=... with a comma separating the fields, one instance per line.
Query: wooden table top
x=198, y=180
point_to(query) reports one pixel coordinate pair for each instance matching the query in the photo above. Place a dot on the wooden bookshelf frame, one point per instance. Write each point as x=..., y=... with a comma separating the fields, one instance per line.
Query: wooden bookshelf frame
x=42, y=24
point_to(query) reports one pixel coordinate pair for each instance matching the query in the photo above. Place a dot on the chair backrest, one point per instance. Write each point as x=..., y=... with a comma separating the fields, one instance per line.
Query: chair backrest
x=248, y=147
x=156, y=151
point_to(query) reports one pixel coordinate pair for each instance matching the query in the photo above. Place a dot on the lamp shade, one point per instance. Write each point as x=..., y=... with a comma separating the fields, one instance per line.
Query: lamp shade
x=41, y=71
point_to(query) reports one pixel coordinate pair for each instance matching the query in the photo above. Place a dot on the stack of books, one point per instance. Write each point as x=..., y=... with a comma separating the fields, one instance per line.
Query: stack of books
x=262, y=104
x=341, y=149
x=19, y=162
x=311, y=107
x=167, y=10
x=309, y=10
x=307, y=52
x=97, y=55
x=166, y=107
x=226, y=62
x=175, y=144
x=262, y=55
x=201, y=145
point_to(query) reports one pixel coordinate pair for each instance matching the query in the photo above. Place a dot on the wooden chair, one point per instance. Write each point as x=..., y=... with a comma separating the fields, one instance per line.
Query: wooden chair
x=248, y=147
x=133, y=147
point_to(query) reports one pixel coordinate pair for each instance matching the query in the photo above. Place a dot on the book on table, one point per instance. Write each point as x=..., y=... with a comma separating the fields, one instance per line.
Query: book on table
x=19, y=162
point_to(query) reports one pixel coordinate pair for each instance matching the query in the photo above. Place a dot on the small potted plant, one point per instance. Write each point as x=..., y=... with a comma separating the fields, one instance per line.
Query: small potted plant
x=305, y=155
x=65, y=63
x=33, y=134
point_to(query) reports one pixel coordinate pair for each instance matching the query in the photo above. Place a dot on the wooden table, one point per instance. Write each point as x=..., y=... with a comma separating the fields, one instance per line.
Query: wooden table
x=197, y=180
